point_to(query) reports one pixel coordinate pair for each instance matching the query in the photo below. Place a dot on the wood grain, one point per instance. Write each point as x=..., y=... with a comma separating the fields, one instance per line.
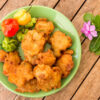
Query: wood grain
x=69, y=7
x=90, y=89
x=88, y=58
x=2, y=2
x=24, y=98
x=6, y=95
x=48, y=3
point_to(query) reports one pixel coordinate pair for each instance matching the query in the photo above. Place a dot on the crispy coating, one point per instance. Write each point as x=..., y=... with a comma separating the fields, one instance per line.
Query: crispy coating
x=69, y=51
x=30, y=86
x=60, y=42
x=22, y=74
x=56, y=83
x=11, y=61
x=32, y=44
x=47, y=77
x=3, y=55
x=46, y=58
x=31, y=59
x=66, y=64
x=13, y=58
x=44, y=26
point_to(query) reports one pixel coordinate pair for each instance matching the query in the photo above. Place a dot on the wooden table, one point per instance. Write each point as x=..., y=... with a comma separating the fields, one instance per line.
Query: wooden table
x=86, y=83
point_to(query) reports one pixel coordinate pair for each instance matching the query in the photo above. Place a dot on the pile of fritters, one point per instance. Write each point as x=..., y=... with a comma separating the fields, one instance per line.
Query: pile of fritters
x=41, y=70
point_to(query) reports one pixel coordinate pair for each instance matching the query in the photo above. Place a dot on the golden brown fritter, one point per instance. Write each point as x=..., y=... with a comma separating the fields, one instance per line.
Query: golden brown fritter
x=56, y=82
x=8, y=68
x=60, y=42
x=46, y=58
x=44, y=26
x=32, y=44
x=30, y=86
x=3, y=55
x=66, y=64
x=22, y=74
x=47, y=77
x=11, y=61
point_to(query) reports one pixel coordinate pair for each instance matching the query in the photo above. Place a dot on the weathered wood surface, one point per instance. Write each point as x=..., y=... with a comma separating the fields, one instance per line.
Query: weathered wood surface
x=47, y=3
x=74, y=10
x=90, y=90
x=2, y=3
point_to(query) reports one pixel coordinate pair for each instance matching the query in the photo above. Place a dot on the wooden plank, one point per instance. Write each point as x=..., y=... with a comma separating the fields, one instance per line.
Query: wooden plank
x=90, y=90
x=6, y=95
x=88, y=58
x=2, y=2
x=25, y=98
x=48, y=3
x=1, y=88
x=12, y=5
x=69, y=7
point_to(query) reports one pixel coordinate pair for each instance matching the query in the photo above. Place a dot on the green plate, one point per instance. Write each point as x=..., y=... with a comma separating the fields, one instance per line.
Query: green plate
x=61, y=23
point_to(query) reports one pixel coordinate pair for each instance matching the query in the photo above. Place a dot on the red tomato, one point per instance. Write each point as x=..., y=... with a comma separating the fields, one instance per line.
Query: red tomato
x=10, y=27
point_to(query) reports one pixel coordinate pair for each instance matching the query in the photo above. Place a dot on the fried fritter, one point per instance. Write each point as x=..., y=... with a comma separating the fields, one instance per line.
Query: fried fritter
x=44, y=26
x=66, y=64
x=30, y=86
x=60, y=42
x=11, y=61
x=23, y=73
x=46, y=58
x=56, y=82
x=47, y=77
x=32, y=44
x=3, y=55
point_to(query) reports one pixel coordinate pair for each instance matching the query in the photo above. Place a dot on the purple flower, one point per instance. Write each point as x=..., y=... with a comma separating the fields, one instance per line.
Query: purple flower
x=89, y=30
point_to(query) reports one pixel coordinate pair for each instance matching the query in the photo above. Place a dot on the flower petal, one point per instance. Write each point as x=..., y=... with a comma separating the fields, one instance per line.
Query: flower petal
x=94, y=33
x=90, y=37
x=86, y=33
x=87, y=27
x=92, y=28
x=89, y=23
x=82, y=30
